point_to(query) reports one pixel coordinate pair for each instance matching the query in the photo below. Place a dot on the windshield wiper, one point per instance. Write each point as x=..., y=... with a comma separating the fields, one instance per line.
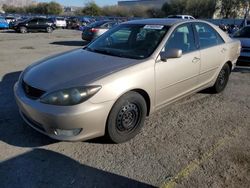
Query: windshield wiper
x=101, y=51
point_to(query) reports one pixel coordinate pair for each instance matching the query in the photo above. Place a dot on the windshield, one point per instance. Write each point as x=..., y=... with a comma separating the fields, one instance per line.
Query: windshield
x=130, y=40
x=243, y=33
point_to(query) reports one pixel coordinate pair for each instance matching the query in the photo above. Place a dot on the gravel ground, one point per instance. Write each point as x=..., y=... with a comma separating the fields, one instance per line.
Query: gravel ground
x=200, y=141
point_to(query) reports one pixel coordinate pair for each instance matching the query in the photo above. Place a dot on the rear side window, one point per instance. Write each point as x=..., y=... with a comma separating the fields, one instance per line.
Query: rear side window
x=42, y=21
x=33, y=21
x=208, y=37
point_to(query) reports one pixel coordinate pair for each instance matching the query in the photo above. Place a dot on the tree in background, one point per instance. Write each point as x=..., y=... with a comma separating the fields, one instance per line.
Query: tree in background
x=201, y=8
x=229, y=8
x=51, y=8
x=12, y=9
x=92, y=9
x=115, y=11
x=155, y=13
x=196, y=8
x=54, y=8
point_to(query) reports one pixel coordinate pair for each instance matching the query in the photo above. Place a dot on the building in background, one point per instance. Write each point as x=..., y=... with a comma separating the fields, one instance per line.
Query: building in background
x=144, y=3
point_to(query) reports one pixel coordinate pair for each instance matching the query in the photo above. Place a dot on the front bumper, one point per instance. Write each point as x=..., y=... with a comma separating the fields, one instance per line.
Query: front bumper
x=60, y=25
x=89, y=117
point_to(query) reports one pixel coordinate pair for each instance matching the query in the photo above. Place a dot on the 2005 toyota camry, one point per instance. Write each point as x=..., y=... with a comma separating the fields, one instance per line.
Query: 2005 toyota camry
x=136, y=68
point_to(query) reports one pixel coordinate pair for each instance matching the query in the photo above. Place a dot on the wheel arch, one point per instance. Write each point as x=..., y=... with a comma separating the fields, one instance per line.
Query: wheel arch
x=146, y=97
x=230, y=64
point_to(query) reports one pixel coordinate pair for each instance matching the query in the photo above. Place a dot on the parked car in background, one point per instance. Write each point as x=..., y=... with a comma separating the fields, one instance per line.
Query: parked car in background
x=17, y=20
x=3, y=23
x=73, y=23
x=96, y=29
x=111, y=85
x=182, y=17
x=244, y=36
x=10, y=18
x=60, y=22
x=35, y=24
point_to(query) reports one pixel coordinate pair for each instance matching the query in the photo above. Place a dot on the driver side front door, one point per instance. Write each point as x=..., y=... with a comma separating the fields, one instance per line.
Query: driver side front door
x=178, y=76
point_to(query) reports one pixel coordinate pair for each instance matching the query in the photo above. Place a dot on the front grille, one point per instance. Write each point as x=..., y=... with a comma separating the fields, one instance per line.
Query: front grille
x=32, y=92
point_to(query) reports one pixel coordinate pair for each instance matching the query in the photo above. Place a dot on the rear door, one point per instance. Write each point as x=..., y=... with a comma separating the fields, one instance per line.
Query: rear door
x=213, y=50
x=42, y=23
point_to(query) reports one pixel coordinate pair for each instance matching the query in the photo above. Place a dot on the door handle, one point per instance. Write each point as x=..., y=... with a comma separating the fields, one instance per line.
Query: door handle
x=196, y=59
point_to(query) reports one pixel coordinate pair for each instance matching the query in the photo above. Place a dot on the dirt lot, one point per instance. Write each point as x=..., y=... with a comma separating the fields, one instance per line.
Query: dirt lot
x=201, y=141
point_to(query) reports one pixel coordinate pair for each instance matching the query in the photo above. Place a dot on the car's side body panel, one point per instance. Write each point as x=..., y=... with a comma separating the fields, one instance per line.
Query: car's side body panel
x=176, y=77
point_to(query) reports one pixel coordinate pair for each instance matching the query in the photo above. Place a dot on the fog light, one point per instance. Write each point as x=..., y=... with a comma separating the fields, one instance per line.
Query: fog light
x=72, y=132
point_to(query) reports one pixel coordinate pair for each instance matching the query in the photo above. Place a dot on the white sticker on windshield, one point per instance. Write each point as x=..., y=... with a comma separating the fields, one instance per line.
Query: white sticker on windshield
x=153, y=27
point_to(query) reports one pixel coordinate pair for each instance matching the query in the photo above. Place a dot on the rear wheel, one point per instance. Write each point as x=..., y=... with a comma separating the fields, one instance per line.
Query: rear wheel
x=23, y=29
x=49, y=29
x=222, y=79
x=126, y=118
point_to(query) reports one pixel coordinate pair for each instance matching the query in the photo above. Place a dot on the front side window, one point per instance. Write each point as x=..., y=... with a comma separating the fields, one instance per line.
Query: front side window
x=136, y=41
x=182, y=38
x=208, y=37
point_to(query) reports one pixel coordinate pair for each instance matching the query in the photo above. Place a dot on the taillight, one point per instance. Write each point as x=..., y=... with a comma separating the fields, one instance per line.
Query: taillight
x=94, y=30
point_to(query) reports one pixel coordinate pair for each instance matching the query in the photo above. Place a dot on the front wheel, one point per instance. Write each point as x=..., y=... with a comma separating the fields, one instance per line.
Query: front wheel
x=222, y=79
x=126, y=118
x=23, y=30
x=49, y=29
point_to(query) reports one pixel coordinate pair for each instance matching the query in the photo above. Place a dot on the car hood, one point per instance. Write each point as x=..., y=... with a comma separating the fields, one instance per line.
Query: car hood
x=75, y=68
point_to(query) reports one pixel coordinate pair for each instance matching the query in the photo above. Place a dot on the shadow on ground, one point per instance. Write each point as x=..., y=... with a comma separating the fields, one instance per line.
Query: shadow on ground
x=7, y=31
x=13, y=130
x=44, y=168
x=70, y=43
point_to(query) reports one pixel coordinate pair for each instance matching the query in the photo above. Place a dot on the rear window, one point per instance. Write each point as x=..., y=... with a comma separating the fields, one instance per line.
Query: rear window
x=174, y=17
x=97, y=24
x=60, y=19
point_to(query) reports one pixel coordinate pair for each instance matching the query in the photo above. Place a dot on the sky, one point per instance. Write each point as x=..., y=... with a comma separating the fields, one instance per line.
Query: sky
x=82, y=2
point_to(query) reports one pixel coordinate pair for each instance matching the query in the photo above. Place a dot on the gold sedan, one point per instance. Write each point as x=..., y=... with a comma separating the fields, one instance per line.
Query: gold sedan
x=111, y=85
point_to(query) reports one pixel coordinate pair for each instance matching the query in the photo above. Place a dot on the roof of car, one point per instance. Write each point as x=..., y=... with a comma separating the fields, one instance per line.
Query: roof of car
x=158, y=21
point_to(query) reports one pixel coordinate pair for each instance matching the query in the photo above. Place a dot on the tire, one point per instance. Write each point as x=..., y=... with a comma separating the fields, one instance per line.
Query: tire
x=222, y=79
x=23, y=29
x=126, y=117
x=49, y=29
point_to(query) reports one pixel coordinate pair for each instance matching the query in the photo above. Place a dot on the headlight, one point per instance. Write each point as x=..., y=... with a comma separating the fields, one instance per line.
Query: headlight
x=72, y=96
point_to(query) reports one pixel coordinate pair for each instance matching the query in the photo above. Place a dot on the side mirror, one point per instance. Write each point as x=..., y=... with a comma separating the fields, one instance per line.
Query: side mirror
x=171, y=53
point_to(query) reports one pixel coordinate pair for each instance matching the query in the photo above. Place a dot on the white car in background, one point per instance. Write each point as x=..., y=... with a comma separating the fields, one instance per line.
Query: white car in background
x=60, y=22
x=182, y=17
